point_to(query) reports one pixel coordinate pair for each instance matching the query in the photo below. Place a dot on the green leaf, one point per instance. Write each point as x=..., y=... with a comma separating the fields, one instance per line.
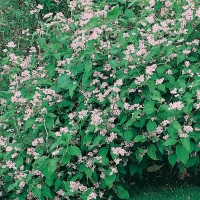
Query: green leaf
x=132, y=168
x=176, y=125
x=110, y=179
x=50, y=179
x=78, y=176
x=176, y=7
x=192, y=161
x=5, y=60
x=154, y=51
x=72, y=89
x=46, y=192
x=170, y=142
x=129, y=13
x=151, y=126
x=94, y=22
x=123, y=118
x=29, y=123
x=64, y=82
x=121, y=192
x=37, y=192
x=151, y=84
x=151, y=152
x=12, y=186
x=52, y=166
x=66, y=159
x=113, y=14
x=128, y=134
x=96, y=141
x=135, y=114
x=57, y=56
x=180, y=58
x=86, y=170
x=113, y=64
x=154, y=168
x=129, y=123
x=87, y=73
x=74, y=150
x=19, y=162
x=161, y=87
x=172, y=159
x=149, y=107
x=57, y=184
x=50, y=69
x=186, y=143
x=171, y=79
x=49, y=122
x=41, y=41
x=182, y=154
x=88, y=137
x=63, y=39
x=160, y=70
x=103, y=151
x=139, y=138
x=190, y=29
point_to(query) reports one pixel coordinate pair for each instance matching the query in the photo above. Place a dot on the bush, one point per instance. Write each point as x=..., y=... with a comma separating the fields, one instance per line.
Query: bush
x=108, y=88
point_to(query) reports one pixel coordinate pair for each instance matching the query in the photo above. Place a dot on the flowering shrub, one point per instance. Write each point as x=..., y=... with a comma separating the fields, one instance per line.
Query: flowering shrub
x=105, y=90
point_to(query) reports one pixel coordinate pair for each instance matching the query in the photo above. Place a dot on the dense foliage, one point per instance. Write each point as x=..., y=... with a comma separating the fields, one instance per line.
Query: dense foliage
x=98, y=91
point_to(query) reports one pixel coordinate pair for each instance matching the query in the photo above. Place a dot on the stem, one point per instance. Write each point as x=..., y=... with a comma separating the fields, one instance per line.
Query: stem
x=46, y=136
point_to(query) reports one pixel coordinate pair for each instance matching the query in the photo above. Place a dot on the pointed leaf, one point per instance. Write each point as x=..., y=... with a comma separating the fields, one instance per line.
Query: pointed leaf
x=128, y=134
x=121, y=192
x=151, y=152
x=151, y=126
x=170, y=142
x=74, y=150
x=113, y=14
x=172, y=159
x=182, y=154
x=154, y=168
x=186, y=143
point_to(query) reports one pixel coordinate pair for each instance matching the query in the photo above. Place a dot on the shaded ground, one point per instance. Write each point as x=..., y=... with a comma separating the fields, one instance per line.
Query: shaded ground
x=167, y=184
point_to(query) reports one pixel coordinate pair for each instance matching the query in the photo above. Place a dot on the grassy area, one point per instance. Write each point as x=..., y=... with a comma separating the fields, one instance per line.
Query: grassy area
x=167, y=184
x=167, y=193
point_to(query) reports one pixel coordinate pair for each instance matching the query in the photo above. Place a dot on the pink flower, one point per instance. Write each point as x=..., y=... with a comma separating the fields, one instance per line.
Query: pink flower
x=39, y=6
x=168, y=3
x=92, y=195
x=187, y=129
x=61, y=192
x=21, y=185
x=82, y=114
x=118, y=83
x=139, y=79
x=9, y=148
x=96, y=118
x=150, y=19
x=56, y=152
x=176, y=105
x=114, y=171
x=33, y=11
x=47, y=15
x=198, y=13
x=118, y=150
x=11, y=44
x=159, y=81
x=64, y=129
x=150, y=69
x=198, y=106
